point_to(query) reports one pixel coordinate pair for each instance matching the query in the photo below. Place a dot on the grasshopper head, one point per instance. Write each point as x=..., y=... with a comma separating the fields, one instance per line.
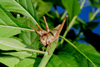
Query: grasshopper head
x=43, y=40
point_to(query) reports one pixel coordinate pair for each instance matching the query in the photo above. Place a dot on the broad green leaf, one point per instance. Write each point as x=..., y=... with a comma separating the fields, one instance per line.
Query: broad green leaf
x=12, y=5
x=95, y=58
x=72, y=7
x=63, y=59
x=11, y=44
x=26, y=62
x=9, y=61
x=9, y=21
x=82, y=61
x=8, y=31
x=84, y=49
x=21, y=55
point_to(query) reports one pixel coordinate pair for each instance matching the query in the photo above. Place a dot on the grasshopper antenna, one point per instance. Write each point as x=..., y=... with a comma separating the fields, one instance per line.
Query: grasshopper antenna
x=38, y=27
x=32, y=26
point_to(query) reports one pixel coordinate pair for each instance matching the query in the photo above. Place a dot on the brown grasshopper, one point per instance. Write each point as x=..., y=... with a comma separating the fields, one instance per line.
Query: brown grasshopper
x=48, y=36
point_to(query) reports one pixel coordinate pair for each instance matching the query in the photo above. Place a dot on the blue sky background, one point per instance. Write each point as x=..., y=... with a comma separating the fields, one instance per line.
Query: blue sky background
x=84, y=15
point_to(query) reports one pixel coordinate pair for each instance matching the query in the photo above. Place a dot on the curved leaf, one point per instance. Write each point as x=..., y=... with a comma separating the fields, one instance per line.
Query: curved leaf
x=75, y=48
x=21, y=54
x=63, y=59
x=11, y=44
x=9, y=61
x=9, y=21
x=12, y=5
x=25, y=62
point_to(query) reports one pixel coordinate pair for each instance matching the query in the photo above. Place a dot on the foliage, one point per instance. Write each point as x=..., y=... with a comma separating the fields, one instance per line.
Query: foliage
x=19, y=49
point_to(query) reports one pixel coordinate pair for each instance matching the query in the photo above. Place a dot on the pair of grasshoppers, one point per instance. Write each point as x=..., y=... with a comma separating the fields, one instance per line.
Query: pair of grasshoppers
x=48, y=36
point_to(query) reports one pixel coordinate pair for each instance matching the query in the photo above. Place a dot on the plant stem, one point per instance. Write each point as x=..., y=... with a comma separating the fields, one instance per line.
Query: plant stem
x=97, y=11
x=72, y=22
x=46, y=57
x=77, y=49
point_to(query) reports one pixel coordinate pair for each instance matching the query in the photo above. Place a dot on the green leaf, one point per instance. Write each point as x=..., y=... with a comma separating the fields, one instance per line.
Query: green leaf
x=72, y=7
x=78, y=47
x=85, y=48
x=88, y=50
x=9, y=21
x=21, y=55
x=63, y=59
x=94, y=57
x=12, y=5
x=8, y=31
x=25, y=62
x=9, y=61
x=11, y=44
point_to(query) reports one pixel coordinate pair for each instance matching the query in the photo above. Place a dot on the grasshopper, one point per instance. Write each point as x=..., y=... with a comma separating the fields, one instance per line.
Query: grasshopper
x=48, y=36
